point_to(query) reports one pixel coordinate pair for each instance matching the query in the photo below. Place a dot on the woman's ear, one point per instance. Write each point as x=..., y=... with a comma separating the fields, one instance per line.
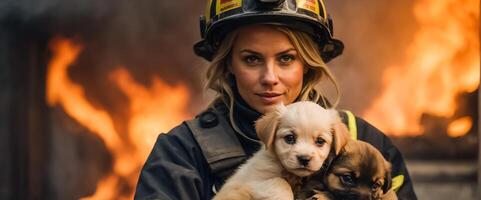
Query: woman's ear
x=266, y=126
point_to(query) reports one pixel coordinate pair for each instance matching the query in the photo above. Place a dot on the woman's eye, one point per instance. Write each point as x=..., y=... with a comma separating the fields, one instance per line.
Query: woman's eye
x=290, y=139
x=251, y=60
x=320, y=142
x=286, y=59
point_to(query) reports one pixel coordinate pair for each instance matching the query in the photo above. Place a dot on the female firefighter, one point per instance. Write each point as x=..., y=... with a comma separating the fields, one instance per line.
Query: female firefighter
x=261, y=52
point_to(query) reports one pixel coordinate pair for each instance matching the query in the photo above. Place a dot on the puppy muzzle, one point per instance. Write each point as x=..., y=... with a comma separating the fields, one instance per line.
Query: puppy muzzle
x=303, y=160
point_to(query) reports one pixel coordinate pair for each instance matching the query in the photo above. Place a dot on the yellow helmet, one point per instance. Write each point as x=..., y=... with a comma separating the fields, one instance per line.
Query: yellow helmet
x=310, y=16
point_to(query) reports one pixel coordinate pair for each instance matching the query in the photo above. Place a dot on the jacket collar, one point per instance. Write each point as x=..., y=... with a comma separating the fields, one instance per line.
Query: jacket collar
x=245, y=116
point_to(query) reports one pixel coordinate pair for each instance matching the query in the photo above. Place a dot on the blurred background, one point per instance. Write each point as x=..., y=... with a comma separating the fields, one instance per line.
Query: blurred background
x=86, y=87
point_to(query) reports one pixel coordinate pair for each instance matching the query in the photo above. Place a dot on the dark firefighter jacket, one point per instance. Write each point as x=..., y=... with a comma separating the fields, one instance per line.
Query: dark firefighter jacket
x=193, y=159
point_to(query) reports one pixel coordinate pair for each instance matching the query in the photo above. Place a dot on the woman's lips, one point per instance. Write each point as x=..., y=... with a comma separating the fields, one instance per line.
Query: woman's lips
x=269, y=97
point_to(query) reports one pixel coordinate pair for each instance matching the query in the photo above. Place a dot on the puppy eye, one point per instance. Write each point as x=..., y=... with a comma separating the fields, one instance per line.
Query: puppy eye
x=375, y=186
x=290, y=139
x=320, y=142
x=348, y=180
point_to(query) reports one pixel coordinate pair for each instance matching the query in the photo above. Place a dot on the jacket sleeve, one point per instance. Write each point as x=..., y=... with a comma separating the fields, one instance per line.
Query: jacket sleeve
x=370, y=134
x=175, y=169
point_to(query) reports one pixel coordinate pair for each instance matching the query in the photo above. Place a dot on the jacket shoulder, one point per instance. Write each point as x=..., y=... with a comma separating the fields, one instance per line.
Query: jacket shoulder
x=367, y=132
x=217, y=141
x=360, y=129
x=178, y=139
x=175, y=168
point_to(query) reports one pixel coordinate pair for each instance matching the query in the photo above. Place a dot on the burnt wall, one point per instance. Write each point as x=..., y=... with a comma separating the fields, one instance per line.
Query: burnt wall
x=24, y=129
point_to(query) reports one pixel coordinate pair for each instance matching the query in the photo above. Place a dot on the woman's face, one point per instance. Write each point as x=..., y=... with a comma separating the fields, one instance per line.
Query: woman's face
x=266, y=66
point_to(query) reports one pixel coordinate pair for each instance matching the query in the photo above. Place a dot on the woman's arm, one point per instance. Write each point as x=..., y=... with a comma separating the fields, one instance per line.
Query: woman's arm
x=403, y=184
x=175, y=169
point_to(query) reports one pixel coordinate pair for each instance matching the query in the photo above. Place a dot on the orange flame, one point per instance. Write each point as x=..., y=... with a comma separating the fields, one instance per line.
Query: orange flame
x=153, y=110
x=443, y=61
x=460, y=127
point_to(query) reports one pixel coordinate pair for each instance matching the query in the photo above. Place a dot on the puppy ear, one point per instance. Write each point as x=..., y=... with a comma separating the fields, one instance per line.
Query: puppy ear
x=340, y=134
x=387, y=177
x=266, y=126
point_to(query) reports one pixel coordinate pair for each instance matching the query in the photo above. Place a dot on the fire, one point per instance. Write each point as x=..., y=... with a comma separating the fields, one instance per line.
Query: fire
x=61, y=90
x=443, y=61
x=460, y=127
x=153, y=110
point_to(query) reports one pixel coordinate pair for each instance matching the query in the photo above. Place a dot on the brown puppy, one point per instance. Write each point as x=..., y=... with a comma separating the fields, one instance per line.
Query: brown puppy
x=360, y=172
x=297, y=139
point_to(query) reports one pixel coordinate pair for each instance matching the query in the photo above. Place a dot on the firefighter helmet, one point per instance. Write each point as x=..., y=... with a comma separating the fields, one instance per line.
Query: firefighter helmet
x=310, y=16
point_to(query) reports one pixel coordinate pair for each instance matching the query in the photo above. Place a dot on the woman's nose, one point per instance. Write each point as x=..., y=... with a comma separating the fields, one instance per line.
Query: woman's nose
x=270, y=74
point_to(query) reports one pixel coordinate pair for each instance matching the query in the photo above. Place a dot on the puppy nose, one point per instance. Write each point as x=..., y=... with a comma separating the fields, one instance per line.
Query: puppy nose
x=303, y=160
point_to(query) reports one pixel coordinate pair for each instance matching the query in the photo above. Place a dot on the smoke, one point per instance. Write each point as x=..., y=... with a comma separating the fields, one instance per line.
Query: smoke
x=56, y=12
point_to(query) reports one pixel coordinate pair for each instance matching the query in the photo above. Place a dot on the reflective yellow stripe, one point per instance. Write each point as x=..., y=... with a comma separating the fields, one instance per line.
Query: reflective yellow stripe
x=226, y=5
x=397, y=182
x=310, y=5
x=351, y=122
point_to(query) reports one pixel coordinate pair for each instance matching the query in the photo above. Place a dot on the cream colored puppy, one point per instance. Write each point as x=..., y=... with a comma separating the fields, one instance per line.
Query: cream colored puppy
x=297, y=139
